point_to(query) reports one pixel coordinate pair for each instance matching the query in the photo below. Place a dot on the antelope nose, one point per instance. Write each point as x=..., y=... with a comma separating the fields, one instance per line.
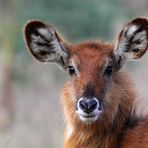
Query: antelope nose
x=88, y=105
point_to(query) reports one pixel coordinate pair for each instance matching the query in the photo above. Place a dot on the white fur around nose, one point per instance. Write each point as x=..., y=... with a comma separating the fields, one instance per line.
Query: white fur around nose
x=82, y=114
x=86, y=99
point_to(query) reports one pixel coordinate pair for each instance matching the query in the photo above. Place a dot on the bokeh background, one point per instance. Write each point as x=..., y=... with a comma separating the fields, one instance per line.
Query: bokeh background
x=30, y=111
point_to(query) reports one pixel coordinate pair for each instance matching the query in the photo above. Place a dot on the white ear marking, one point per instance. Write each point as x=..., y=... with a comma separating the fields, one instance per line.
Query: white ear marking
x=34, y=44
x=132, y=30
x=140, y=36
x=46, y=33
x=133, y=41
x=46, y=41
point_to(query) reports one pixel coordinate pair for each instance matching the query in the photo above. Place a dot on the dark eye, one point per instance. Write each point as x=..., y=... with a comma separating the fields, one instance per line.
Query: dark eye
x=71, y=70
x=108, y=70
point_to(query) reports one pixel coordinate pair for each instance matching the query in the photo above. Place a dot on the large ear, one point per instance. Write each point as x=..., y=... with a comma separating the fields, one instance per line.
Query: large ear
x=132, y=42
x=45, y=44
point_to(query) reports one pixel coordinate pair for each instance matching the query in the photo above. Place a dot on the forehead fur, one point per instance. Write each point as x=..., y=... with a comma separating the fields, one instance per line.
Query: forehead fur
x=93, y=48
x=91, y=55
x=91, y=52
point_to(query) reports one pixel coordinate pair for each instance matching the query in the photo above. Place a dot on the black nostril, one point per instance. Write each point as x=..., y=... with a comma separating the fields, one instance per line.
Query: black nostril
x=92, y=104
x=88, y=105
x=83, y=104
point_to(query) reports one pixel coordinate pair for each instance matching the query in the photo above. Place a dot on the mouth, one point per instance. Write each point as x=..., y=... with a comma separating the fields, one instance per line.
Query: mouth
x=88, y=118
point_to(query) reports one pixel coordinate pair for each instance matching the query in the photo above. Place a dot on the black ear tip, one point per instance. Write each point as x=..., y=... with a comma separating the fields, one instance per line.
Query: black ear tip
x=31, y=25
x=140, y=20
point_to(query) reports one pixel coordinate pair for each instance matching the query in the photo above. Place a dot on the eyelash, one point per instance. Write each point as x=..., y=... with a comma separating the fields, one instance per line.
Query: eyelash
x=71, y=70
x=108, y=70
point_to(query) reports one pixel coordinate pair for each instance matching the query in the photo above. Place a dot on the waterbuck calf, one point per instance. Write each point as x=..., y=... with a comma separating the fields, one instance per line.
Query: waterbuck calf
x=99, y=100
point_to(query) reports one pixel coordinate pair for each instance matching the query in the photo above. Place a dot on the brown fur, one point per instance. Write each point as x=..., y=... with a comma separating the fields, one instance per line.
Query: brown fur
x=104, y=133
x=137, y=137
x=118, y=125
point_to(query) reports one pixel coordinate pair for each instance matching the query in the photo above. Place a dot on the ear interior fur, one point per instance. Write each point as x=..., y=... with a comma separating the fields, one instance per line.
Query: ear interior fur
x=133, y=41
x=44, y=43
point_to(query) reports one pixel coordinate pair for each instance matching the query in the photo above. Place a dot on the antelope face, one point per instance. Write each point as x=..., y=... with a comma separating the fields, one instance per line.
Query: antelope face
x=91, y=66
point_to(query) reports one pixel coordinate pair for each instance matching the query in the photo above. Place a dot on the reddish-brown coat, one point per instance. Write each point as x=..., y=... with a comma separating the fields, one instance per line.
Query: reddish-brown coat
x=114, y=127
x=103, y=133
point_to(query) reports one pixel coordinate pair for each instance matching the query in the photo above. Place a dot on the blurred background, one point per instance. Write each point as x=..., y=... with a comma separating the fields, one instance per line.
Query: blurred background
x=30, y=111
